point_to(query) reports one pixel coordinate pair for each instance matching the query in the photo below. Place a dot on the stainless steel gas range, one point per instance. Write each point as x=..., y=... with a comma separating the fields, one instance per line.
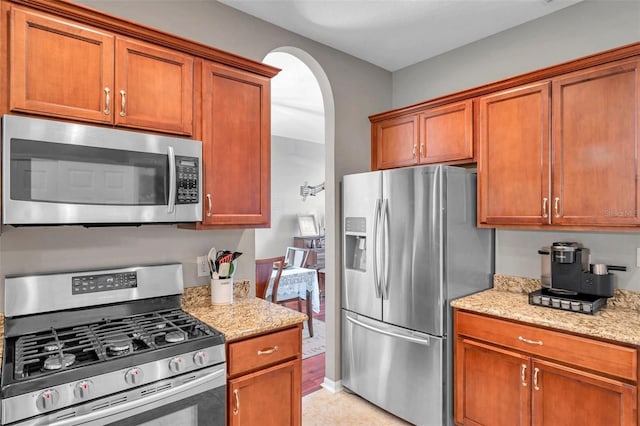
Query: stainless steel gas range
x=108, y=347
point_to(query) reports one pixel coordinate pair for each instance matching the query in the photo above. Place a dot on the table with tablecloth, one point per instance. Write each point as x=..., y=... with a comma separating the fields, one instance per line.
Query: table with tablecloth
x=296, y=282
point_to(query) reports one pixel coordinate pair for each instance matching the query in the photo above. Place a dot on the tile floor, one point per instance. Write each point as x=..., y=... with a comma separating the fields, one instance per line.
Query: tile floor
x=322, y=408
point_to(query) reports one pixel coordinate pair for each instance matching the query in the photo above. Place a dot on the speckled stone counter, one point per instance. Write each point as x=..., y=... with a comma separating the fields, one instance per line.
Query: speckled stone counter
x=619, y=321
x=246, y=316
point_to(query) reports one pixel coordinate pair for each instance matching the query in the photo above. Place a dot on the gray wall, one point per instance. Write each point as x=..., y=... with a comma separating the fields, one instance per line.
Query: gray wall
x=292, y=163
x=359, y=89
x=585, y=28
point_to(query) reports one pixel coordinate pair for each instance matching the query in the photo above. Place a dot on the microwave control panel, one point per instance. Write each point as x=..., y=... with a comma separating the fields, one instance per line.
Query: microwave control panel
x=187, y=185
x=105, y=282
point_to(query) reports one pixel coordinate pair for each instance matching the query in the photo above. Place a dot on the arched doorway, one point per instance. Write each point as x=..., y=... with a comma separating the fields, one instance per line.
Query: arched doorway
x=330, y=220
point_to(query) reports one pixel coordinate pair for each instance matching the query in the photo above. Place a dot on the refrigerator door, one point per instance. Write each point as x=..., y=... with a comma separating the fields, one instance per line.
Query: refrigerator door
x=396, y=369
x=412, y=249
x=361, y=256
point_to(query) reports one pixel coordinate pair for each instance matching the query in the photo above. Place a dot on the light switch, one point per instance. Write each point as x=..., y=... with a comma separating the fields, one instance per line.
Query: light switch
x=638, y=257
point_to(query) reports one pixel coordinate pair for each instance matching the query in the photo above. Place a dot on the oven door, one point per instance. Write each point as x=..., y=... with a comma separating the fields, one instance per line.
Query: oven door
x=197, y=402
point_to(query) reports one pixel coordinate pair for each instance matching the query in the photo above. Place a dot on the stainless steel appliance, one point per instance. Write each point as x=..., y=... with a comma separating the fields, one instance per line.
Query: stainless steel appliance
x=574, y=285
x=410, y=245
x=56, y=173
x=108, y=347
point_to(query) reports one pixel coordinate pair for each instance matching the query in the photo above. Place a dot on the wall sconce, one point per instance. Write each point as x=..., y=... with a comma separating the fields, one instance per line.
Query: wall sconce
x=306, y=190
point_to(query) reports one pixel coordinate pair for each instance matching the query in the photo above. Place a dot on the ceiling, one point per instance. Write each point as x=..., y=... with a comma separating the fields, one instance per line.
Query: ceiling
x=394, y=34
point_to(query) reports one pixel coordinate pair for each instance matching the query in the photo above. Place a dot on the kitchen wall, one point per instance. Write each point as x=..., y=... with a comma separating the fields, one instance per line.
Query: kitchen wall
x=293, y=162
x=585, y=28
x=358, y=90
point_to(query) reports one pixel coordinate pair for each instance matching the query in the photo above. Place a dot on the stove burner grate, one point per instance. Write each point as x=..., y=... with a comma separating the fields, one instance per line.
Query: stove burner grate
x=41, y=353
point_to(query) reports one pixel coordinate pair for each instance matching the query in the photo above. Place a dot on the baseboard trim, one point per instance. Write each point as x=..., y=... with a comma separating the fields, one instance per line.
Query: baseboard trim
x=332, y=386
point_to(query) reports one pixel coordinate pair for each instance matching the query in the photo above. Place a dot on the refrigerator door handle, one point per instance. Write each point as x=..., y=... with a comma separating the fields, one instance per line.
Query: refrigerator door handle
x=376, y=220
x=421, y=341
x=384, y=281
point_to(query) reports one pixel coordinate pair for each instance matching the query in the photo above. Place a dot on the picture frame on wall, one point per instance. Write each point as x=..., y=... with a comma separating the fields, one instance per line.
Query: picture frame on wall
x=307, y=225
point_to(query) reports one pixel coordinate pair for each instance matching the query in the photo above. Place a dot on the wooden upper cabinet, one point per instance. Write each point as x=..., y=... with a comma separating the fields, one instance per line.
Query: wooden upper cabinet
x=64, y=69
x=596, y=126
x=436, y=135
x=60, y=68
x=237, y=147
x=396, y=142
x=513, y=161
x=446, y=133
x=154, y=87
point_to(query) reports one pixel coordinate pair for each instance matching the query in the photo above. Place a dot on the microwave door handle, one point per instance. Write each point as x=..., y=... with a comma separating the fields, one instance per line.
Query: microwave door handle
x=172, y=179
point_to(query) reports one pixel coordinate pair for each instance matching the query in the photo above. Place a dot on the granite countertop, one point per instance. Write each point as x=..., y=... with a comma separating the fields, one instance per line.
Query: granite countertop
x=246, y=316
x=619, y=321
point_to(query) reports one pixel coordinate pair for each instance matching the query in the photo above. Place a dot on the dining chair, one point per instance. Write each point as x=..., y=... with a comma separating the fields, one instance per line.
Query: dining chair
x=264, y=268
x=297, y=256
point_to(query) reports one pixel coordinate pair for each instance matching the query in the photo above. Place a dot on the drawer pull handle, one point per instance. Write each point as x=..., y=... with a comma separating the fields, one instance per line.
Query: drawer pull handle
x=523, y=375
x=556, y=207
x=531, y=342
x=535, y=378
x=268, y=351
x=545, y=200
x=236, y=405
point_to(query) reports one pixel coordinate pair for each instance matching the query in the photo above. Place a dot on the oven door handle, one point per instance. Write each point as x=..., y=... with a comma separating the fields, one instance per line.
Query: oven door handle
x=140, y=405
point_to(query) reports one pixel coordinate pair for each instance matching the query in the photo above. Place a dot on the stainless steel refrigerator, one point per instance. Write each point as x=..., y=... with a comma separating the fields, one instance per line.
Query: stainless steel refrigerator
x=410, y=246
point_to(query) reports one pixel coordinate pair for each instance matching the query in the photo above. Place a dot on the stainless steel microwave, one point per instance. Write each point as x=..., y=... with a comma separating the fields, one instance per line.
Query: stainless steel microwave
x=58, y=173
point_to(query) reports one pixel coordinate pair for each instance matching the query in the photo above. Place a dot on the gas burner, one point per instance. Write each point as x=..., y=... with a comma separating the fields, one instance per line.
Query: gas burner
x=53, y=346
x=119, y=344
x=175, y=337
x=55, y=363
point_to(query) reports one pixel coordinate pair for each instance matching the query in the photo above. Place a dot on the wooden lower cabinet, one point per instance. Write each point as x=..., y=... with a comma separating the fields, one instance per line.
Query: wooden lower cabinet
x=265, y=379
x=494, y=385
x=266, y=397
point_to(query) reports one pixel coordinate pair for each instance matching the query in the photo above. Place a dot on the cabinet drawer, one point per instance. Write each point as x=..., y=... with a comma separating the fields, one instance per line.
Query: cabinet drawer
x=255, y=353
x=582, y=352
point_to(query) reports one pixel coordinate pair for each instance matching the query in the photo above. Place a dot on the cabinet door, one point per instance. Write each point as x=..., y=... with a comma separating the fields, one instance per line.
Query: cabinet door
x=237, y=147
x=267, y=397
x=396, y=142
x=492, y=386
x=446, y=133
x=596, y=126
x=513, y=163
x=154, y=87
x=563, y=396
x=60, y=68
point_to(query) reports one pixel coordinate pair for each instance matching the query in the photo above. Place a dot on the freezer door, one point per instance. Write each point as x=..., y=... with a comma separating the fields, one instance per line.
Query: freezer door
x=396, y=369
x=361, y=259
x=412, y=249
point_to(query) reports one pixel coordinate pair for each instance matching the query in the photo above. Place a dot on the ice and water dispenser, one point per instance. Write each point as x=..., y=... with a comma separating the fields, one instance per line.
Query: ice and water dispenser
x=355, y=243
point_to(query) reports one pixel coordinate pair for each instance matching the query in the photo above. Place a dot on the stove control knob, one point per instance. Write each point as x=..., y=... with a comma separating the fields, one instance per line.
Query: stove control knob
x=83, y=389
x=177, y=365
x=48, y=399
x=133, y=376
x=200, y=358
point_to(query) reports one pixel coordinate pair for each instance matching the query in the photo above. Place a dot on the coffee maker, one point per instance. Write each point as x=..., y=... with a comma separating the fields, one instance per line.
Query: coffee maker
x=570, y=272
x=572, y=284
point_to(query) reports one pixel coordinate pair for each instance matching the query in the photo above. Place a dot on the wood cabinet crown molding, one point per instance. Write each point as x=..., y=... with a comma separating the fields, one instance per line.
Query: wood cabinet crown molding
x=128, y=28
x=600, y=58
